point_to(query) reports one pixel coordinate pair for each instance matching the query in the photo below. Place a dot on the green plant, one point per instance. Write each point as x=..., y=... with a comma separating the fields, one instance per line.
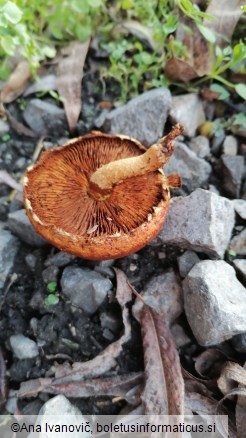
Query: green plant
x=53, y=296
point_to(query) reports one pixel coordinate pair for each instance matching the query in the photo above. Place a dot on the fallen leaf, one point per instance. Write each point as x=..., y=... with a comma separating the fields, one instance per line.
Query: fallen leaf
x=16, y=83
x=226, y=14
x=142, y=32
x=7, y=179
x=119, y=386
x=69, y=78
x=231, y=375
x=164, y=386
x=3, y=380
x=241, y=411
x=210, y=362
x=19, y=127
x=107, y=358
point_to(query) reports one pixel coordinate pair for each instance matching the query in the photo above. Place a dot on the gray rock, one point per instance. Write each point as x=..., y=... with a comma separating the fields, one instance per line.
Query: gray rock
x=215, y=302
x=50, y=274
x=240, y=266
x=143, y=117
x=59, y=259
x=104, y=267
x=179, y=336
x=4, y=127
x=45, y=118
x=230, y=145
x=240, y=207
x=58, y=410
x=9, y=246
x=85, y=288
x=200, y=145
x=194, y=171
x=232, y=170
x=239, y=343
x=238, y=243
x=110, y=321
x=186, y=261
x=202, y=222
x=163, y=293
x=23, y=347
x=31, y=261
x=20, y=225
x=187, y=109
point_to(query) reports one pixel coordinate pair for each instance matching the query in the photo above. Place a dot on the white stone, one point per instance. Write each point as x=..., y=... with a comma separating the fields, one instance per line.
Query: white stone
x=23, y=347
x=215, y=302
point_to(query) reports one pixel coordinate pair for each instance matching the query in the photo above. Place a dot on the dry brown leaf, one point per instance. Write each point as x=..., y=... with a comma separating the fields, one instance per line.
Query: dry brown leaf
x=241, y=411
x=119, y=386
x=3, y=379
x=226, y=13
x=107, y=358
x=210, y=362
x=16, y=83
x=232, y=375
x=19, y=127
x=178, y=70
x=164, y=386
x=7, y=179
x=69, y=77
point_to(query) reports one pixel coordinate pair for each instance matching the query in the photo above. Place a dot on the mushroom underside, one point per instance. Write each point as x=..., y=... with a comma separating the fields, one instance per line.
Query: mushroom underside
x=57, y=189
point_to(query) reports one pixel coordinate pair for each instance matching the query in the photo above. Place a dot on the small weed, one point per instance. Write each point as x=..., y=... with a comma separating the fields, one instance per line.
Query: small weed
x=5, y=137
x=53, y=296
x=22, y=103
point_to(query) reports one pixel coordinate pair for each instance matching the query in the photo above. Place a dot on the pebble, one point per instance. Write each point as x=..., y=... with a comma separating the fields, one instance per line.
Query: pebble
x=238, y=243
x=58, y=410
x=59, y=259
x=187, y=109
x=104, y=267
x=50, y=274
x=23, y=347
x=180, y=337
x=164, y=294
x=240, y=266
x=143, y=117
x=31, y=261
x=240, y=207
x=193, y=170
x=4, y=127
x=85, y=288
x=186, y=261
x=202, y=222
x=200, y=145
x=215, y=302
x=230, y=145
x=20, y=225
x=9, y=246
x=232, y=171
x=44, y=118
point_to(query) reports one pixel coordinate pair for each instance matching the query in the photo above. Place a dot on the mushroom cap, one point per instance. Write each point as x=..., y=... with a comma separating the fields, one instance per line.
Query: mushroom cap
x=59, y=207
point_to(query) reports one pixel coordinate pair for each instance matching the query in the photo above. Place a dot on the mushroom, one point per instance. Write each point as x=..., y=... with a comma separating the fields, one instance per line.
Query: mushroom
x=100, y=196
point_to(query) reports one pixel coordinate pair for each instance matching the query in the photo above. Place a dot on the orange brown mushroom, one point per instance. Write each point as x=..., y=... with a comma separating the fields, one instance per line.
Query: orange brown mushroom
x=100, y=196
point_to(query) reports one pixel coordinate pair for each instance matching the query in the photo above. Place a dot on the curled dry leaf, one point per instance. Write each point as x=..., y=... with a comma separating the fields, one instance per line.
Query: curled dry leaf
x=7, y=179
x=107, y=359
x=210, y=362
x=19, y=127
x=241, y=410
x=226, y=14
x=16, y=83
x=232, y=375
x=164, y=386
x=69, y=77
x=142, y=32
x=119, y=386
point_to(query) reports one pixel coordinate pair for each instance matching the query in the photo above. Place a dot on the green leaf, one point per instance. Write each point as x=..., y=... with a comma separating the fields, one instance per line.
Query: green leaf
x=52, y=286
x=51, y=300
x=5, y=137
x=95, y=3
x=8, y=44
x=126, y=4
x=207, y=33
x=224, y=94
x=241, y=90
x=48, y=51
x=12, y=12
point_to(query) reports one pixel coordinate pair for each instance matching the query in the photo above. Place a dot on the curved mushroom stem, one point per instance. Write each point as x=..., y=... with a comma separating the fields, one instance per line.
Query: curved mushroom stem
x=104, y=178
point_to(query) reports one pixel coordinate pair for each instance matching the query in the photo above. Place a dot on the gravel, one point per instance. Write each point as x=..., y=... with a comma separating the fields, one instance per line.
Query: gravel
x=187, y=109
x=9, y=246
x=23, y=347
x=20, y=225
